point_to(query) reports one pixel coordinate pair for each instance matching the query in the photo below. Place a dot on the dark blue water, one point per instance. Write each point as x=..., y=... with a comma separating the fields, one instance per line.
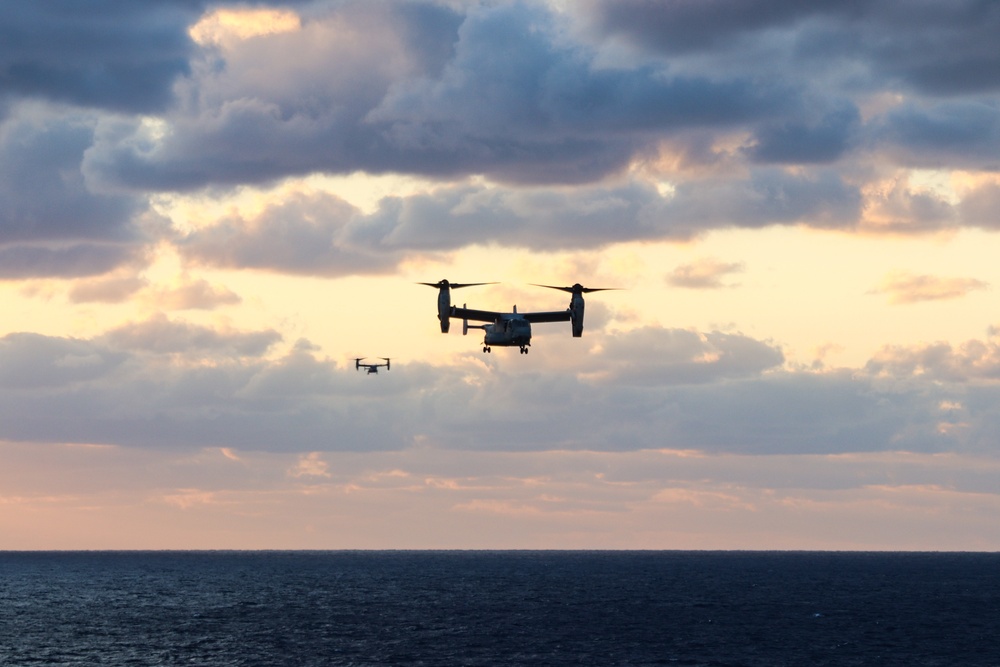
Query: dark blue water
x=499, y=608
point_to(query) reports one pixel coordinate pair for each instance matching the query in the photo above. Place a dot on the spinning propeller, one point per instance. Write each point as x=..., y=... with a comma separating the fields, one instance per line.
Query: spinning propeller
x=444, y=284
x=578, y=288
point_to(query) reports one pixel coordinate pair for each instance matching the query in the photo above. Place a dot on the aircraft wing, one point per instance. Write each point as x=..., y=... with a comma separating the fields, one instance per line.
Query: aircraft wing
x=476, y=315
x=493, y=316
x=552, y=316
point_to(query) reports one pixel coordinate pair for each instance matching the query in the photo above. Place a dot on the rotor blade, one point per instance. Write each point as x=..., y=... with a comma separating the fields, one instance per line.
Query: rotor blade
x=444, y=283
x=578, y=288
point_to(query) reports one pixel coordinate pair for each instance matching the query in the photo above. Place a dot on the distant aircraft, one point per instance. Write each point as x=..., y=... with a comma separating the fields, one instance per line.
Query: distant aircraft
x=511, y=329
x=371, y=368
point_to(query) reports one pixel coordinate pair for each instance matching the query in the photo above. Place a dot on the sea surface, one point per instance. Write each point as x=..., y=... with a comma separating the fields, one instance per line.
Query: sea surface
x=499, y=608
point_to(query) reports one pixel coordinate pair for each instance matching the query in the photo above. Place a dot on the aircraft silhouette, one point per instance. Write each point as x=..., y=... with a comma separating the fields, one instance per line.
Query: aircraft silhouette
x=510, y=329
x=371, y=368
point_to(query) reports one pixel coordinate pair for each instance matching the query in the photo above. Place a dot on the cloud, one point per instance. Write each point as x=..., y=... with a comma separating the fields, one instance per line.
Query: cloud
x=321, y=234
x=964, y=134
x=970, y=361
x=896, y=206
x=196, y=295
x=802, y=141
x=666, y=357
x=114, y=289
x=30, y=361
x=52, y=224
x=704, y=273
x=43, y=195
x=272, y=105
x=887, y=41
x=191, y=295
x=310, y=465
x=517, y=94
x=512, y=91
x=981, y=207
x=684, y=27
x=109, y=54
x=163, y=336
x=170, y=384
x=77, y=260
x=907, y=288
x=506, y=97
x=165, y=384
x=304, y=234
x=600, y=123
x=539, y=218
x=818, y=198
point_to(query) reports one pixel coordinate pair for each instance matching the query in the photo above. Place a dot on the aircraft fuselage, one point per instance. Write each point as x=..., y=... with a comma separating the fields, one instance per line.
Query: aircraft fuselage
x=512, y=332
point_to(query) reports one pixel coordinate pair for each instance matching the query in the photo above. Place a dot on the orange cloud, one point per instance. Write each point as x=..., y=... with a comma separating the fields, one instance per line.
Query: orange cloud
x=908, y=288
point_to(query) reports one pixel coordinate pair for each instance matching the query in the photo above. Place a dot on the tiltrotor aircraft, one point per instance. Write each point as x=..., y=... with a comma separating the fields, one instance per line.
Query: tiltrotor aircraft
x=511, y=329
x=371, y=368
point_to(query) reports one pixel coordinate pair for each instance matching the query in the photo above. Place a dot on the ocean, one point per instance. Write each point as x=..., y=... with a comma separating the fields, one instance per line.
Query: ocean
x=719, y=609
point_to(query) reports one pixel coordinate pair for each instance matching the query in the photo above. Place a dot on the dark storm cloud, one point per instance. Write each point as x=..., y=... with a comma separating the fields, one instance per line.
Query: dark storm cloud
x=943, y=54
x=932, y=47
x=797, y=142
x=513, y=92
x=935, y=48
x=733, y=93
x=683, y=26
x=111, y=54
x=51, y=223
x=963, y=134
x=512, y=101
x=43, y=194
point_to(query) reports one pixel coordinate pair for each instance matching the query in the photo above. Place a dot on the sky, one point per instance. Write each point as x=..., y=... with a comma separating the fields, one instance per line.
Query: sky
x=208, y=210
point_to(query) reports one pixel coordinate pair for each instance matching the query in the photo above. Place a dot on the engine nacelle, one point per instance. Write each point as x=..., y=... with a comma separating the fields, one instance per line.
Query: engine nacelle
x=576, y=306
x=444, y=308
